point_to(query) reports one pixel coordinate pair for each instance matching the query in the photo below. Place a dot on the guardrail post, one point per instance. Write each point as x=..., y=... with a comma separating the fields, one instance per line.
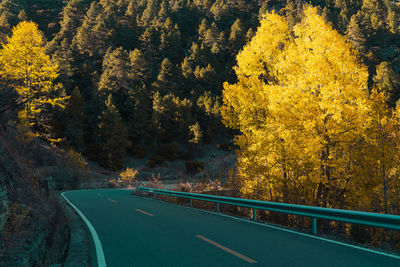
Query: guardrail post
x=169, y=198
x=314, y=226
x=155, y=195
x=191, y=203
x=217, y=206
x=254, y=214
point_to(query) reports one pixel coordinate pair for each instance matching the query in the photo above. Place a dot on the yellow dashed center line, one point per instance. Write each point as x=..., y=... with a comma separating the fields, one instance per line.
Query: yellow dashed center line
x=145, y=212
x=237, y=254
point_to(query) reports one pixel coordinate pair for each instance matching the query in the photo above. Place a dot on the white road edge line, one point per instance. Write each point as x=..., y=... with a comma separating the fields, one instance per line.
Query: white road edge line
x=145, y=212
x=101, y=261
x=291, y=231
x=237, y=254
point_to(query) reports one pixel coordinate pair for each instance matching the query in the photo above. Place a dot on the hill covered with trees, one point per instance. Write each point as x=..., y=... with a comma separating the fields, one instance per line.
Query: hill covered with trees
x=311, y=95
x=150, y=71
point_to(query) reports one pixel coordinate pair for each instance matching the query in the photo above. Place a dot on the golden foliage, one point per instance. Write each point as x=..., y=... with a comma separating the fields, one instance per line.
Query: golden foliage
x=24, y=63
x=128, y=175
x=305, y=115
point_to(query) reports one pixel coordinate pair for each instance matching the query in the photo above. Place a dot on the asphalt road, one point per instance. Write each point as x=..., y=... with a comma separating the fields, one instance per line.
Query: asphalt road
x=136, y=231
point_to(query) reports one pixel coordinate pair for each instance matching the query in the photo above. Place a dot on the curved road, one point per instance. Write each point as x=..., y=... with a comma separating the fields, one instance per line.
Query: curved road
x=136, y=231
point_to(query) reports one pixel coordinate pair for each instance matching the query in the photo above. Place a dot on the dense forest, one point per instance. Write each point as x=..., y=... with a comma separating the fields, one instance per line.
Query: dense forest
x=112, y=78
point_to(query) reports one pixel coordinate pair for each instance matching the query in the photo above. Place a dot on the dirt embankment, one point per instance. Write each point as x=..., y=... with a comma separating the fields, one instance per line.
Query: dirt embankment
x=33, y=230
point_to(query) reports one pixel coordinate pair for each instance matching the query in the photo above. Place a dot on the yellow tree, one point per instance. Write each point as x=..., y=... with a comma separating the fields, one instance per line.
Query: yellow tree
x=381, y=154
x=301, y=105
x=26, y=67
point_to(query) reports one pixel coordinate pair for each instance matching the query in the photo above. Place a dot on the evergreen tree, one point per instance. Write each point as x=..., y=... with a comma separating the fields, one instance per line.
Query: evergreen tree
x=355, y=34
x=150, y=13
x=84, y=39
x=4, y=27
x=74, y=120
x=167, y=81
x=116, y=78
x=387, y=81
x=22, y=16
x=170, y=41
x=140, y=67
x=149, y=44
x=73, y=16
x=237, y=36
x=163, y=13
x=113, y=135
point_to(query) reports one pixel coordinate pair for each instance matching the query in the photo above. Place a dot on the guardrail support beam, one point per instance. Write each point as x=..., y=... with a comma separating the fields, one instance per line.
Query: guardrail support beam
x=155, y=195
x=254, y=214
x=217, y=206
x=314, y=226
x=191, y=203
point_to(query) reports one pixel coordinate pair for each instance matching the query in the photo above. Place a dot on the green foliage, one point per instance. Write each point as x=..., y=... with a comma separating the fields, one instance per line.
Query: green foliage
x=113, y=135
x=74, y=120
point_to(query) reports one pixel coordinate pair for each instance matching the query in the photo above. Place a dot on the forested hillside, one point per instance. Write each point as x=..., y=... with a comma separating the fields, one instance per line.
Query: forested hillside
x=309, y=91
x=141, y=73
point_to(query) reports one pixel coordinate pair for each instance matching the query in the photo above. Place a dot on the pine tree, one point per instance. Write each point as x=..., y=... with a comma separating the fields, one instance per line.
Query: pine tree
x=149, y=44
x=74, y=120
x=170, y=41
x=163, y=13
x=355, y=34
x=113, y=134
x=73, y=16
x=167, y=79
x=24, y=63
x=211, y=35
x=237, y=36
x=84, y=39
x=4, y=28
x=116, y=78
x=387, y=81
x=22, y=16
x=150, y=13
x=140, y=67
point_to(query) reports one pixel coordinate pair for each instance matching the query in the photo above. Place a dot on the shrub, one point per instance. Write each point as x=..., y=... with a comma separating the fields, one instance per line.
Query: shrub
x=156, y=182
x=194, y=166
x=129, y=175
x=76, y=160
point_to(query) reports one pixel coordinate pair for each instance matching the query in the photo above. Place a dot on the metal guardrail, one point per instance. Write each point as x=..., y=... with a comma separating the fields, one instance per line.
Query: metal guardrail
x=347, y=216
